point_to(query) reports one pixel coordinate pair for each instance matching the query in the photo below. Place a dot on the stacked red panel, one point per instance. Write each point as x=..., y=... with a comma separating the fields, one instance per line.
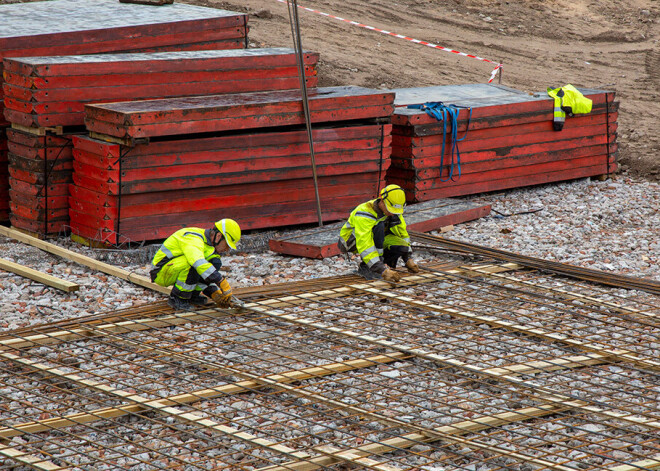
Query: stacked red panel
x=505, y=139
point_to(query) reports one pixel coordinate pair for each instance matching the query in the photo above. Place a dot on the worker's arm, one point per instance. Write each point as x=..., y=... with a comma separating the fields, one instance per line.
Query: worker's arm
x=363, y=224
x=399, y=229
x=193, y=250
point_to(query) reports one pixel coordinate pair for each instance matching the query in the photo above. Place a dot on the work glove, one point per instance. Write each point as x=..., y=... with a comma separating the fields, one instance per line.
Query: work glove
x=391, y=275
x=222, y=297
x=412, y=266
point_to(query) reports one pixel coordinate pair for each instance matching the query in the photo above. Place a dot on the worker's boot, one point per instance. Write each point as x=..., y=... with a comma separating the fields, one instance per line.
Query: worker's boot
x=366, y=273
x=197, y=299
x=178, y=304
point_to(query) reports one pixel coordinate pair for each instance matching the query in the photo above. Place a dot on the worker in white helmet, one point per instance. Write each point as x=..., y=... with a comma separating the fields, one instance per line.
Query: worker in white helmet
x=376, y=230
x=189, y=261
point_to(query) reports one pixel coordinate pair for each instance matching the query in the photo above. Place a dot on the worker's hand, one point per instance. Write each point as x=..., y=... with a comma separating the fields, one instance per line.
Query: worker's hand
x=222, y=297
x=222, y=300
x=412, y=266
x=391, y=275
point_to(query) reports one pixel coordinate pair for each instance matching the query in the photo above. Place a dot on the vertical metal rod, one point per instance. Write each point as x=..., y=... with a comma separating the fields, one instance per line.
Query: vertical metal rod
x=297, y=45
x=499, y=76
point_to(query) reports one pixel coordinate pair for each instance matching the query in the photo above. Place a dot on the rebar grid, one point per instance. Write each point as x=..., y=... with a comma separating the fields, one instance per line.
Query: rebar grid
x=344, y=376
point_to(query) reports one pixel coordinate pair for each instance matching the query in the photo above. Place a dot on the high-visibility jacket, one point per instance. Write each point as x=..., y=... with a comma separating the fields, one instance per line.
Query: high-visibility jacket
x=568, y=99
x=359, y=228
x=191, y=243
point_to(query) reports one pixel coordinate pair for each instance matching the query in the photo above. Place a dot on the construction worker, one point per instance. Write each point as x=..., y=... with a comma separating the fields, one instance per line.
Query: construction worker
x=377, y=232
x=189, y=261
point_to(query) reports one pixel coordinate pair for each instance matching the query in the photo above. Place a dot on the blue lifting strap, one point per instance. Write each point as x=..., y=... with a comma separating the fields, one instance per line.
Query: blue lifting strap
x=448, y=114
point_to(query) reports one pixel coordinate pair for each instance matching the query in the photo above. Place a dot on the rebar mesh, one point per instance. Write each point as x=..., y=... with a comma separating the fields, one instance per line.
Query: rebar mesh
x=478, y=368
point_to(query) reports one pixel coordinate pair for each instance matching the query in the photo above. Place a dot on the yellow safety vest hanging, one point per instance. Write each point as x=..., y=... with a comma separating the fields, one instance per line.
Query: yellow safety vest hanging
x=568, y=99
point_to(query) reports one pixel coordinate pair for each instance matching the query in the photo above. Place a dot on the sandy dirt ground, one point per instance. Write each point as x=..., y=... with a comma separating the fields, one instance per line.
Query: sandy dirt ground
x=603, y=44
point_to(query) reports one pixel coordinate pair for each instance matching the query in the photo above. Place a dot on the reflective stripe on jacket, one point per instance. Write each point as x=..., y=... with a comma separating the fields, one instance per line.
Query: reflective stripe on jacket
x=360, y=227
x=191, y=243
x=568, y=99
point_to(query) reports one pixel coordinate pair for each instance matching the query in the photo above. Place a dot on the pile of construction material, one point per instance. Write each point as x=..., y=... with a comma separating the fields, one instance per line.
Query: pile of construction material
x=50, y=91
x=186, y=161
x=39, y=103
x=504, y=139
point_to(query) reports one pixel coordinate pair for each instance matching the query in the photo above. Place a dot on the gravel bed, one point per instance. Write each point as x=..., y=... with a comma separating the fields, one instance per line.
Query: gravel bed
x=612, y=226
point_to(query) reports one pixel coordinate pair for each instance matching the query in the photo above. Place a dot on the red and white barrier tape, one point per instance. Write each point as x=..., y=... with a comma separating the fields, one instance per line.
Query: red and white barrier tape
x=400, y=36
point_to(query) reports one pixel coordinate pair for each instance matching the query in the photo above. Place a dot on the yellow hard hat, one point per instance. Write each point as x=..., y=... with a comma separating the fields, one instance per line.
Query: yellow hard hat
x=230, y=230
x=394, y=198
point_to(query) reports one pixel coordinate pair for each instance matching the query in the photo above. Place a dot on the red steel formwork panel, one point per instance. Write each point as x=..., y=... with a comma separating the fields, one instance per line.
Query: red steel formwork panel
x=507, y=141
x=52, y=91
x=66, y=27
x=216, y=113
x=40, y=170
x=262, y=179
x=4, y=178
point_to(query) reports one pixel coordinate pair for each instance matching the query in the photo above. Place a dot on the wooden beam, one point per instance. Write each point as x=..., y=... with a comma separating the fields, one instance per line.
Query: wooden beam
x=204, y=394
x=619, y=354
x=541, y=393
x=162, y=405
x=36, y=275
x=651, y=463
x=411, y=439
x=567, y=295
x=83, y=260
x=28, y=460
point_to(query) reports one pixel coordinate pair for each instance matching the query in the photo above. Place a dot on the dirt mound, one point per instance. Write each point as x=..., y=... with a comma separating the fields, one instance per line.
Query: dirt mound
x=606, y=44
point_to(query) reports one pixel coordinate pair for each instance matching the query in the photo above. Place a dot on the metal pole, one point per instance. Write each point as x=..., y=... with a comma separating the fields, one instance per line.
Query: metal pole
x=292, y=6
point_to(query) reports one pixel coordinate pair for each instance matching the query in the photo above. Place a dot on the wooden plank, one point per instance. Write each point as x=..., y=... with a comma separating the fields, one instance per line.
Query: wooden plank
x=204, y=394
x=83, y=260
x=38, y=276
x=160, y=405
x=411, y=439
x=546, y=395
x=431, y=215
x=28, y=460
x=618, y=354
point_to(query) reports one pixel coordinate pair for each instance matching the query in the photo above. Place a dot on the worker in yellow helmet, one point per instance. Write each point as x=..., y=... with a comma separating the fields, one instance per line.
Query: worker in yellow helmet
x=377, y=232
x=189, y=261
